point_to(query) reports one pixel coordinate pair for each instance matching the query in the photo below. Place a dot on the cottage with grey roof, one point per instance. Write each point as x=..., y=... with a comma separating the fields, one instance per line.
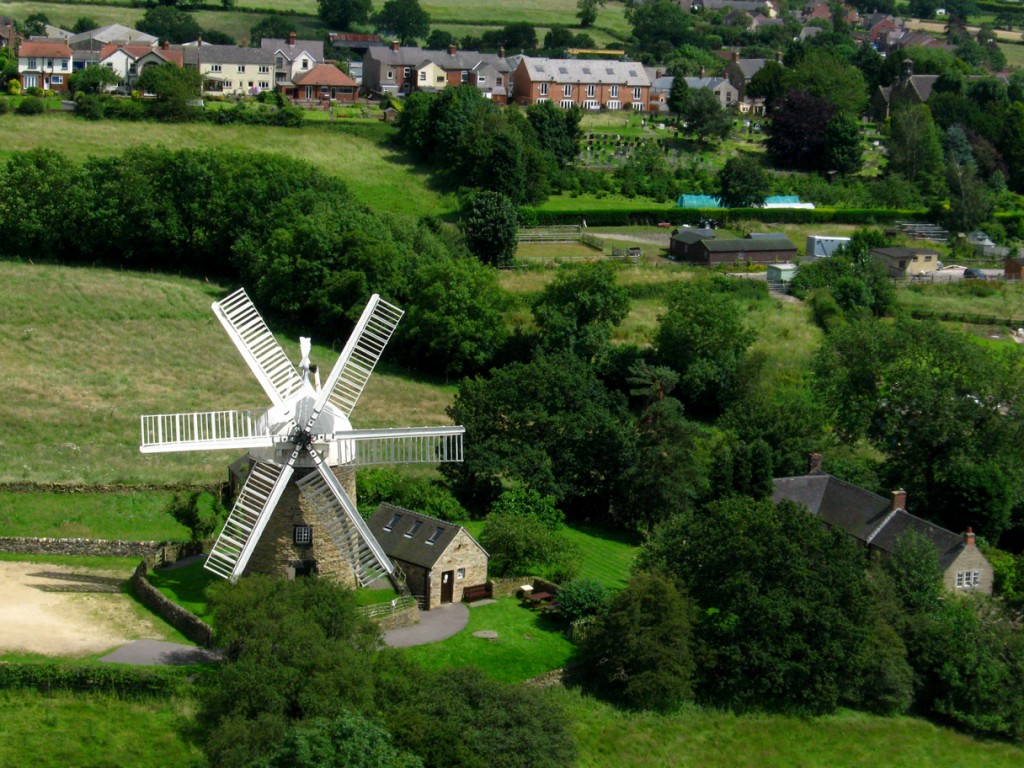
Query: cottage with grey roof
x=599, y=84
x=439, y=559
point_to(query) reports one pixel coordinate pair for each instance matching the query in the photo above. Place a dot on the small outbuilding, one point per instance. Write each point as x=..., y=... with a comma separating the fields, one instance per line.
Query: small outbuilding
x=781, y=274
x=683, y=240
x=439, y=559
x=1012, y=267
x=766, y=250
x=901, y=263
x=822, y=246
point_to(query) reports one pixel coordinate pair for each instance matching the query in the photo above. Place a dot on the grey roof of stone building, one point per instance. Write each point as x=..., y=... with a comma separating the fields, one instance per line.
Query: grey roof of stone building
x=114, y=33
x=705, y=82
x=693, y=235
x=397, y=541
x=314, y=48
x=779, y=243
x=225, y=54
x=628, y=73
x=411, y=56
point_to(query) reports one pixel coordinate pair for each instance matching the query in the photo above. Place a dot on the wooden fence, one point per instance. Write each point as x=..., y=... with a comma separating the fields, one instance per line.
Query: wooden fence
x=568, y=233
x=401, y=603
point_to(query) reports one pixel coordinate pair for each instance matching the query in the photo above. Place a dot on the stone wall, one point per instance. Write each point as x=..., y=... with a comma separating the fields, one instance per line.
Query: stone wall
x=970, y=559
x=215, y=488
x=464, y=553
x=161, y=550
x=399, y=619
x=186, y=622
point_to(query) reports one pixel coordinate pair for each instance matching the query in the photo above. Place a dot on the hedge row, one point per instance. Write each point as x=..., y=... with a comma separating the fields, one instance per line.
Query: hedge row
x=969, y=318
x=625, y=217
x=121, y=681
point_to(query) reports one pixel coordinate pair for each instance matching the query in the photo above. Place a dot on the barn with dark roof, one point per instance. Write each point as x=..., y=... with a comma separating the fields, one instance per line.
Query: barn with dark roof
x=439, y=559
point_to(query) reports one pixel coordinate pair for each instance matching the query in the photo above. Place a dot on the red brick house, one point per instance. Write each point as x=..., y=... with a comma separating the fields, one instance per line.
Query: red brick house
x=324, y=82
x=44, y=65
x=599, y=84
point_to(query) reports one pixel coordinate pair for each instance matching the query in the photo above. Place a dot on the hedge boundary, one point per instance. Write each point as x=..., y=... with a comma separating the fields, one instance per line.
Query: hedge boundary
x=623, y=217
x=115, y=679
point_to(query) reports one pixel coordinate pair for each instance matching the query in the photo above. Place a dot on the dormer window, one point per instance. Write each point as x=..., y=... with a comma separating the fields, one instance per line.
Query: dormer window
x=393, y=523
x=305, y=63
x=435, y=535
x=417, y=524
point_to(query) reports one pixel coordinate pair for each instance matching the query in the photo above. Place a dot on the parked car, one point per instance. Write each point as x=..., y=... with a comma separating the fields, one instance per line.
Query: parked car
x=973, y=273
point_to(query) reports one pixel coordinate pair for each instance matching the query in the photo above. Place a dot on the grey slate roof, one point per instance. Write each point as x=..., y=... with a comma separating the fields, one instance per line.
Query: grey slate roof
x=314, y=48
x=704, y=82
x=628, y=73
x=225, y=54
x=114, y=33
x=692, y=235
x=397, y=542
x=411, y=56
x=779, y=243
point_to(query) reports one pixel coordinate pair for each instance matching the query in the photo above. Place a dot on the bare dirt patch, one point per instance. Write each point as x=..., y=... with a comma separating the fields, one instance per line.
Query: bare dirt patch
x=62, y=611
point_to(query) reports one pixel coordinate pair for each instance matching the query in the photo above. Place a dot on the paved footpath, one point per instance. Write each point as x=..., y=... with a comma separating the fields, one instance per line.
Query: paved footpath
x=151, y=653
x=437, y=624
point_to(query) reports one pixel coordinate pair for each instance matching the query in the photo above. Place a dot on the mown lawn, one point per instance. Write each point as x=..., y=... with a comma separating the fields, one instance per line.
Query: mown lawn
x=528, y=643
x=381, y=177
x=85, y=352
x=138, y=516
x=699, y=738
x=59, y=730
x=186, y=586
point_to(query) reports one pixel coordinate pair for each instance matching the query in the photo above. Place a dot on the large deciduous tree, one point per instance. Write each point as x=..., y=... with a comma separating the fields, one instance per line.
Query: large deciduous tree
x=586, y=11
x=93, y=79
x=342, y=14
x=170, y=24
x=742, y=183
x=915, y=149
x=704, y=116
x=403, y=19
x=796, y=132
x=577, y=311
x=490, y=224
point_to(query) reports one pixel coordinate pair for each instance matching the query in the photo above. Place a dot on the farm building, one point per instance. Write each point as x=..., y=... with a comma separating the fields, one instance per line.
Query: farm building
x=439, y=559
x=821, y=246
x=878, y=523
x=781, y=274
x=742, y=251
x=902, y=263
x=681, y=245
x=1012, y=267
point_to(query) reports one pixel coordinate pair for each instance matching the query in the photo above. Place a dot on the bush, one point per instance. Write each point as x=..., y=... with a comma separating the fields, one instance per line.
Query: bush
x=4, y=107
x=582, y=598
x=31, y=106
x=626, y=217
x=35, y=91
x=14, y=87
x=122, y=681
x=126, y=109
x=91, y=107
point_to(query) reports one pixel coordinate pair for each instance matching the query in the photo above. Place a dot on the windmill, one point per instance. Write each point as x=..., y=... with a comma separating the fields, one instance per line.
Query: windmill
x=305, y=433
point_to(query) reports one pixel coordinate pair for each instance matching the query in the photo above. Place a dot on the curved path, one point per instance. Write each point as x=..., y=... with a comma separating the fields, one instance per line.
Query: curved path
x=151, y=653
x=437, y=624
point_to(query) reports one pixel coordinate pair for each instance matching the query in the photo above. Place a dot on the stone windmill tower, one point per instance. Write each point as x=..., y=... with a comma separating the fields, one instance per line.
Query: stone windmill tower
x=295, y=512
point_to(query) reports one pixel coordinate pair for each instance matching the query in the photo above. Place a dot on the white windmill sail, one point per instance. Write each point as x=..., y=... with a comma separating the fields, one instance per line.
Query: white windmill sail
x=289, y=424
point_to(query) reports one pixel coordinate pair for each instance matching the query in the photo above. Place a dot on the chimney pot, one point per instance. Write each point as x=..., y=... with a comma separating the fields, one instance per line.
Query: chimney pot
x=969, y=537
x=814, y=463
x=736, y=56
x=451, y=50
x=199, y=40
x=394, y=46
x=899, y=500
x=291, y=38
x=501, y=52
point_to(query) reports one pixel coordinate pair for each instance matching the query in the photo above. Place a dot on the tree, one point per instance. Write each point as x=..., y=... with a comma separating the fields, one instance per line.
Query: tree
x=84, y=24
x=915, y=573
x=586, y=11
x=842, y=151
x=439, y=40
x=705, y=117
x=93, y=79
x=170, y=24
x=704, y=338
x=404, y=19
x=39, y=189
x=829, y=78
x=35, y=24
x=521, y=545
x=176, y=89
x=1012, y=145
x=768, y=83
x=578, y=310
x=548, y=424
x=640, y=654
x=342, y=14
x=581, y=598
x=198, y=511
x=796, y=133
x=915, y=150
x=678, y=96
x=742, y=183
x=784, y=606
x=558, y=130
x=274, y=26
x=659, y=26
x=350, y=740
x=490, y=224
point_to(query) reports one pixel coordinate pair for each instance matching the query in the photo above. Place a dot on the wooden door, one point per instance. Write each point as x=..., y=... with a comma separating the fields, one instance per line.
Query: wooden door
x=447, y=586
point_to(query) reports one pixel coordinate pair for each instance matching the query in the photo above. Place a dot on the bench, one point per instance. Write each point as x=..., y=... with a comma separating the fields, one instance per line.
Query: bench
x=476, y=592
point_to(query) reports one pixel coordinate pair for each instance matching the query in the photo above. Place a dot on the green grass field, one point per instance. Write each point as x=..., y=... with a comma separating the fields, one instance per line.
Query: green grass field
x=137, y=516
x=1005, y=301
x=85, y=352
x=379, y=176
x=528, y=644
x=698, y=738
x=59, y=730
x=186, y=586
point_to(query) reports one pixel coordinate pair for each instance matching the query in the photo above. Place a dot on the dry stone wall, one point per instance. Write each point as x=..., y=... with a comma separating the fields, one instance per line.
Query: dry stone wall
x=186, y=622
x=162, y=551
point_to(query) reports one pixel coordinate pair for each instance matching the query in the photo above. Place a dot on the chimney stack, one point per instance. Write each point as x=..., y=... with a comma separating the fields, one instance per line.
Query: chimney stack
x=501, y=52
x=199, y=41
x=164, y=45
x=291, y=38
x=452, y=49
x=245, y=41
x=736, y=56
x=394, y=46
x=899, y=500
x=701, y=71
x=969, y=537
x=814, y=463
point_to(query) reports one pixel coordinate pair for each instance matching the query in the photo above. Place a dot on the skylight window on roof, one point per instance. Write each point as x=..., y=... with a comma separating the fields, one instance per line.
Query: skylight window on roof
x=435, y=535
x=393, y=523
x=586, y=71
x=609, y=70
x=417, y=524
x=632, y=73
x=563, y=71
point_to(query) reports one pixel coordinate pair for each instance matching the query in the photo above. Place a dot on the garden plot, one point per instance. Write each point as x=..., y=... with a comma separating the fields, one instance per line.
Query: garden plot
x=57, y=610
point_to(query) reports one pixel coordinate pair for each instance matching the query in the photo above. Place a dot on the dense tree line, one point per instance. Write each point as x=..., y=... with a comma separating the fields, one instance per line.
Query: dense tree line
x=307, y=251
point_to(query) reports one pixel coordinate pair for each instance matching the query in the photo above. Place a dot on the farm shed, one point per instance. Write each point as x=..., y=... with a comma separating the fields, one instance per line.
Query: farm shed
x=906, y=262
x=782, y=274
x=439, y=559
x=821, y=246
x=878, y=523
x=742, y=251
x=1012, y=267
x=681, y=243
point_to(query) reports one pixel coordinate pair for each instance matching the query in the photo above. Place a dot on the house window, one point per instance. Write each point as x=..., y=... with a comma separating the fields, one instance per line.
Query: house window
x=613, y=105
x=636, y=93
x=57, y=80
x=264, y=85
x=435, y=535
x=460, y=573
x=590, y=91
x=215, y=67
x=465, y=76
x=543, y=89
x=501, y=80
x=31, y=81
x=567, y=90
x=392, y=523
x=566, y=103
x=302, y=535
x=279, y=62
x=31, y=63
x=305, y=65
x=406, y=73
x=966, y=579
x=416, y=525
x=49, y=63
x=480, y=79
x=64, y=65
x=613, y=92
x=241, y=69
x=591, y=104
x=423, y=77
x=391, y=74
x=264, y=69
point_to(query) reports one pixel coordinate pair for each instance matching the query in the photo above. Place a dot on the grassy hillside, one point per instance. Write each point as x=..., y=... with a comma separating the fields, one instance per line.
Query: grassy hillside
x=85, y=352
x=378, y=175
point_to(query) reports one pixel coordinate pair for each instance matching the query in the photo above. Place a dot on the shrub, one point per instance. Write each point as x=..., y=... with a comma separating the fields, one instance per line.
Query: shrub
x=91, y=107
x=14, y=87
x=122, y=681
x=4, y=107
x=35, y=91
x=126, y=109
x=31, y=106
x=582, y=598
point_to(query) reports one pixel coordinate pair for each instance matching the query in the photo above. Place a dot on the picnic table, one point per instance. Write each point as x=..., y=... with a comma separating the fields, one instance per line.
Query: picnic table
x=537, y=598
